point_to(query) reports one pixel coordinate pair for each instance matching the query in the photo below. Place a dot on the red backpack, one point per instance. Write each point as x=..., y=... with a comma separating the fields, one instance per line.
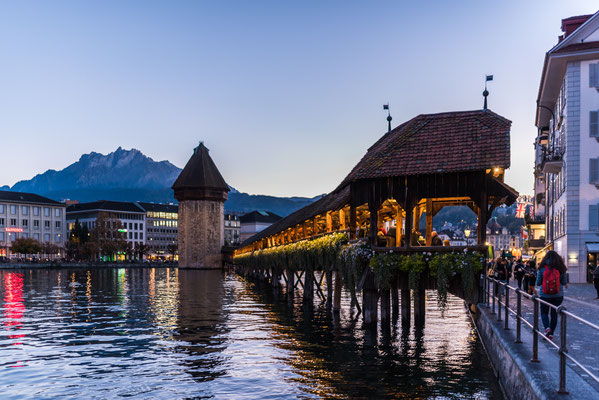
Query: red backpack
x=550, y=281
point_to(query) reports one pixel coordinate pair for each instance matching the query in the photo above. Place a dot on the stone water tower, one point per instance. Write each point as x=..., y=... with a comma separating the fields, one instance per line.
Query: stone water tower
x=201, y=192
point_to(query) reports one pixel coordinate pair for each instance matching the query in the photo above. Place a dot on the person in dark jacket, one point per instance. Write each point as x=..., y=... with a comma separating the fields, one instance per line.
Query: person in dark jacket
x=596, y=279
x=436, y=240
x=550, y=263
x=530, y=277
x=519, y=272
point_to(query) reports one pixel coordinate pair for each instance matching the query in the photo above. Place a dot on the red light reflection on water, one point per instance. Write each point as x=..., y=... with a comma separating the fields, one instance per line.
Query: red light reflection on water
x=13, y=303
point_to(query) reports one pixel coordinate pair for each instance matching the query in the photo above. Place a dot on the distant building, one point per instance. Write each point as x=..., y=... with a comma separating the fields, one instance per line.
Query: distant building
x=232, y=229
x=162, y=228
x=256, y=221
x=567, y=146
x=28, y=215
x=201, y=192
x=131, y=216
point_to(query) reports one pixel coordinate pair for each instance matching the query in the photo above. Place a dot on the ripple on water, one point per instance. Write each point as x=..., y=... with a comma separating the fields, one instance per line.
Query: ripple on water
x=167, y=334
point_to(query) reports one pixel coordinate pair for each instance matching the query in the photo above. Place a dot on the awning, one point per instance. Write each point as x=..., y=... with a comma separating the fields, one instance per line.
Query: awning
x=593, y=247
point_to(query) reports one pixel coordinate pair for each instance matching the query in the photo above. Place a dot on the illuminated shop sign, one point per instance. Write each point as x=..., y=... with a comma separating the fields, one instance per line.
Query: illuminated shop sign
x=18, y=230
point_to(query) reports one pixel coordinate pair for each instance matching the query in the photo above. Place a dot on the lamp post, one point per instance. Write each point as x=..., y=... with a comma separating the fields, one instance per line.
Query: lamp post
x=467, y=233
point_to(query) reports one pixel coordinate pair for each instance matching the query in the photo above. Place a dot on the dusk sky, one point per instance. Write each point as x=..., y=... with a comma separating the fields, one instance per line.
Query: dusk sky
x=287, y=96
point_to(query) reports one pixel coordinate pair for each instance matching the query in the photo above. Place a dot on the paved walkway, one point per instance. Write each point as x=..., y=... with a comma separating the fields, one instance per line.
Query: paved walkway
x=582, y=340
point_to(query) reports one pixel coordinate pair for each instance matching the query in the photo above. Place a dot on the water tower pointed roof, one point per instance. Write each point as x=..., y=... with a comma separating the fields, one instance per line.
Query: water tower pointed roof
x=200, y=179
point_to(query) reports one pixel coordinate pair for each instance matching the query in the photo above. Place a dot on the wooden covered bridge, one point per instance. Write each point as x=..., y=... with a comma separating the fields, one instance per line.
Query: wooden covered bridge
x=427, y=163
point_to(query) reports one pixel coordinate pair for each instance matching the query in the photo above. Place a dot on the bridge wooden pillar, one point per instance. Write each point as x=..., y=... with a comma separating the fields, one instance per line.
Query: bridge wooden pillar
x=482, y=218
x=337, y=294
x=406, y=307
x=369, y=300
x=420, y=304
x=394, y=299
x=374, y=219
x=385, y=305
x=290, y=286
x=329, y=280
x=308, y=286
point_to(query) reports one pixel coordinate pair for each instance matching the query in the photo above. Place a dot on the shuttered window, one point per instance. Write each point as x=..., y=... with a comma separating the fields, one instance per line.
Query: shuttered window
x=594, y=75
x=594, y=124
x=593, y=217
x=594, y=171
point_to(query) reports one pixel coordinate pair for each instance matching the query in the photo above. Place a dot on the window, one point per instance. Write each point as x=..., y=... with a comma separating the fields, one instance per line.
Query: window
x=130, y=225
x=57, y=224
x=13, y=210
x=1, y=221
x=13, y=222
x=2, y=210
x=47, y=224
x=12, y=236
x=36, y=236
x=25, y=223
x=135, y=226
x=130, y=235
x=46, y=237
x=594, y=171
x=57, y=238
x=25, y=210
x=594, y=75
x=46, y=211
x=36, y=211
x=25, y=235
x=36, y=224
x=1, y=236
x=136, y=235
x=57, y=212
x=141, y=236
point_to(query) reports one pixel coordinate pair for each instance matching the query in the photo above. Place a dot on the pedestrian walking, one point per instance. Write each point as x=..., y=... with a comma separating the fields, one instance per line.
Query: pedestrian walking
x=530, y=277
x=500, y=271
x=551, y=278
x=596, y=279
x=519, y=272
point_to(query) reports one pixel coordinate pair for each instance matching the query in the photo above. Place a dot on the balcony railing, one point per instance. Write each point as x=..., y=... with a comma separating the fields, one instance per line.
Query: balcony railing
x=553, y=161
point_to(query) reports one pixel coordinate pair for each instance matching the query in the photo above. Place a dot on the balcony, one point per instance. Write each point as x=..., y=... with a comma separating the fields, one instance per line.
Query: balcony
x=553, y=161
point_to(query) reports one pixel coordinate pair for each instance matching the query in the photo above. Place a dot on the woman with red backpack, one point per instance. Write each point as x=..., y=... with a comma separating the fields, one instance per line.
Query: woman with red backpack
x=551, y=277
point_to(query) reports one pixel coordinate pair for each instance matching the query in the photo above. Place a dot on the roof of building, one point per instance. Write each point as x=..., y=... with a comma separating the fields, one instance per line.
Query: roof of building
x=438, y=143
x=200, y=172
x=259, y=216
x=105, y=205
x=159, y=207
x=20, y=197
x=578, y=47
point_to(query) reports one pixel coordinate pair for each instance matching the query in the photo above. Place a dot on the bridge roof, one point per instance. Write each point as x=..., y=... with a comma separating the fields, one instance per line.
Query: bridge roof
x=438, y=143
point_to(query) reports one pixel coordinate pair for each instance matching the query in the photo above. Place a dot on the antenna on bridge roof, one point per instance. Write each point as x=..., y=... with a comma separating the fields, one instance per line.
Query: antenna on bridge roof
x=389, y=118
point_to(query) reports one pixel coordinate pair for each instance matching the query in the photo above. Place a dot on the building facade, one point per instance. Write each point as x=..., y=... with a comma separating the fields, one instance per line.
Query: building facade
x=162, y=229
x=201, y=192
x=567, y=146
x=131, y=216
x=232, y=229
x=27, y=215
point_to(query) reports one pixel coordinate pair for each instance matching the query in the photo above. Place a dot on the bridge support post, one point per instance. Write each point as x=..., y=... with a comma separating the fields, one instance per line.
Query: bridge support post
x=290, y=286
x=308, y=287
x=385, y=306
x=419, y=304
x=370, y=300
x=394, y=299
x=275, y=281
x=337, y=293
x=329, y=278
x=405, y=307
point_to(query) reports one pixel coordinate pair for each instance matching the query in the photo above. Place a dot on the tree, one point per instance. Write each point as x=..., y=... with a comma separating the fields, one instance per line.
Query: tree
x=172, y=249
x=26, y=246
x=106, y=235
x=141, y=250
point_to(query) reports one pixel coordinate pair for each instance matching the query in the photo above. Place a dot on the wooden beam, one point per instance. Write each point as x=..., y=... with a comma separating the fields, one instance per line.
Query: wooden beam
x=429, y=221
x=398, y=225
x=329, y=219
x=482, y=218
x=342, y=219
x=373, y=223
x=352, y=222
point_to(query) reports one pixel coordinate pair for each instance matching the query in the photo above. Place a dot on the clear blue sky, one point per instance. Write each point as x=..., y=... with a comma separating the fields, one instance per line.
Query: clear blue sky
x=287, y=96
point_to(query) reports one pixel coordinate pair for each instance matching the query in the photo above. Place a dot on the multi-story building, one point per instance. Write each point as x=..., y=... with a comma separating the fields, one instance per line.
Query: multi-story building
x=27, y=215
x=232, y=229
x=255, y=221
x=567, y=145
x=131, y=216
x=162, y=230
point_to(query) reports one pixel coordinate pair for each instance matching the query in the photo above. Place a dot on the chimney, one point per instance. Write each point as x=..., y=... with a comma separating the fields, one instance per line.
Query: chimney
x=569, y=25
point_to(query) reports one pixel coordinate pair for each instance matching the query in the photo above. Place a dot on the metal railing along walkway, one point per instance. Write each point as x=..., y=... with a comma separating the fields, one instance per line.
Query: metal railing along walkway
x=499, y=300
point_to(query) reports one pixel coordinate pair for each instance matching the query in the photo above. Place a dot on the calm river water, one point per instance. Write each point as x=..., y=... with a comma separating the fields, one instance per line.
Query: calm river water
x=170, y=334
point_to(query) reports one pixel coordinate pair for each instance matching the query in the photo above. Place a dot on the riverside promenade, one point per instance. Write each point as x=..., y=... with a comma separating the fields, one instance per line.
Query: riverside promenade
x=522, y=378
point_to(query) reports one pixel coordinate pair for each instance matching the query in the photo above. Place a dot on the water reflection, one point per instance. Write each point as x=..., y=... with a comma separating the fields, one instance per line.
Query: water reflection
x=165, y=333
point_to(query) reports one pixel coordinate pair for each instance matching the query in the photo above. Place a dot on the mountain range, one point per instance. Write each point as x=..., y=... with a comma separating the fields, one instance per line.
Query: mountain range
x=129, y=175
